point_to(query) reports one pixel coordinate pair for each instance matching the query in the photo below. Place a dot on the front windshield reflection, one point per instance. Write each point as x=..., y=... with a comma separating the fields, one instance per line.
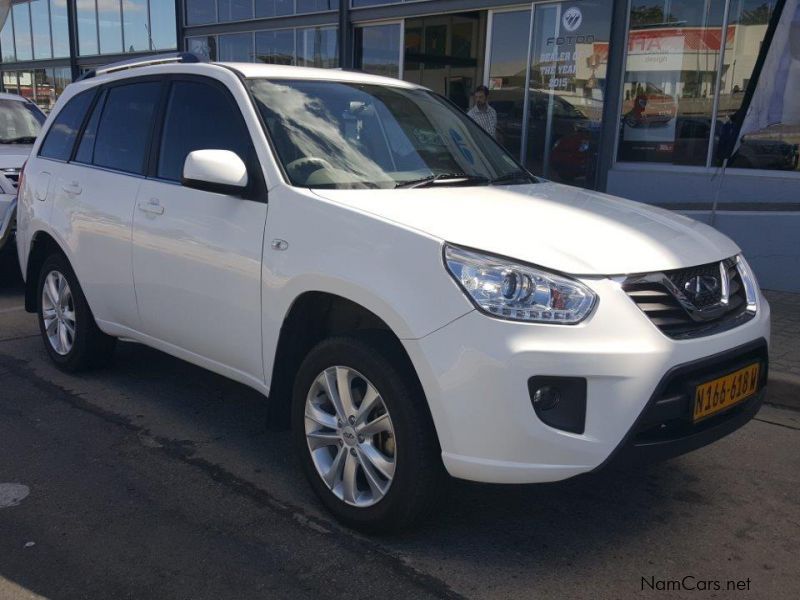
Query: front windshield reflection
x=346, y=135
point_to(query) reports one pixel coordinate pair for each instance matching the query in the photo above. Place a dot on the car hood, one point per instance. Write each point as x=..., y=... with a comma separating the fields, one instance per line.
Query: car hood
x=551, y=225
x=14, y=155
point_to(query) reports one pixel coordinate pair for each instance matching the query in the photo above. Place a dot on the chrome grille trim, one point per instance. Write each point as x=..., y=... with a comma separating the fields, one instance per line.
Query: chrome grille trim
x=660, y=296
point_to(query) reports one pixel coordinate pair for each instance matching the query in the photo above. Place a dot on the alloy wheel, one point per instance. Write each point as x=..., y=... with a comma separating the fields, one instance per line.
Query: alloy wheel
x=350, y=436
x=58, y=312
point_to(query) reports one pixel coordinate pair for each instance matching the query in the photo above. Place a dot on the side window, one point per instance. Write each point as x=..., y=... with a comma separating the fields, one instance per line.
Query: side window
x=199, y=117
x=125, y=125
x=85, y=152
x=61, y=136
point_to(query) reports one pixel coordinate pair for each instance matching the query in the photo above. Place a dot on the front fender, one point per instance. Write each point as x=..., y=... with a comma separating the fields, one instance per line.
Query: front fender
x=394, y=272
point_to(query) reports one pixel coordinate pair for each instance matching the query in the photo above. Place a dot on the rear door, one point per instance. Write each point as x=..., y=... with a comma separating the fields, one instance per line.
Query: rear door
x=44, y=169
x=96, y=190
x=197, y=254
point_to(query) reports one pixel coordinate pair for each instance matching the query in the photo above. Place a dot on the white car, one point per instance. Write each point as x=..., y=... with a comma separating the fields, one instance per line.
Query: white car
x=20, y=123
x=362, y=253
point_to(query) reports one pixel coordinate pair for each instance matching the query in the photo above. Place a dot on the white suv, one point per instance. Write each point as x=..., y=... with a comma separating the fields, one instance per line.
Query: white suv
x=360, y=251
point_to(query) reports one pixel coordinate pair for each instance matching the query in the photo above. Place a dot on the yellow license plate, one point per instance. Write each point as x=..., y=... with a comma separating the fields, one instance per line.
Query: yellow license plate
x=721, y=393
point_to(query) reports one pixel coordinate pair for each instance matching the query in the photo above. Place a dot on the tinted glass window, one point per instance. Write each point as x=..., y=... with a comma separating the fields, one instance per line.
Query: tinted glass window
x=200, y=11
x=162, y=25
x=199, y=117
x=236, y=47
x=234, y=10
x=304, y=6
x=85, y=151
x=674, y=51
x=61, y=136
x=125, y=126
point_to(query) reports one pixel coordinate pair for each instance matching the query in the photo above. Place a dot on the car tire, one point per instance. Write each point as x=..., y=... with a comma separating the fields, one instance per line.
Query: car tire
x=350, y=476
x=70, y=333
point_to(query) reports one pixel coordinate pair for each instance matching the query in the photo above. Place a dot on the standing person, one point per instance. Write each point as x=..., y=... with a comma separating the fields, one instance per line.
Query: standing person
x=483, y=114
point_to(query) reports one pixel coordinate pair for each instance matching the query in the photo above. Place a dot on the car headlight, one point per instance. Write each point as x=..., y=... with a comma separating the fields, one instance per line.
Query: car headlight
x=749, y=282
x=508, y=290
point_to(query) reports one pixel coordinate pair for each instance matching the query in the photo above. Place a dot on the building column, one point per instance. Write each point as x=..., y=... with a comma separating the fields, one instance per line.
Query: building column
x=615, y=73
x=345, y=36
x=179, y=12
x=72, y=26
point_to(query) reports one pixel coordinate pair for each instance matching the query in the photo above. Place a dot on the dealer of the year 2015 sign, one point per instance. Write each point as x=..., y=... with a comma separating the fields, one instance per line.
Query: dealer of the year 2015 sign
x=557, y=65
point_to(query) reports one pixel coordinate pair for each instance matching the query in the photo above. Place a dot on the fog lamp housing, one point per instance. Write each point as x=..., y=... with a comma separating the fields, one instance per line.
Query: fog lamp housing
x=559, y=402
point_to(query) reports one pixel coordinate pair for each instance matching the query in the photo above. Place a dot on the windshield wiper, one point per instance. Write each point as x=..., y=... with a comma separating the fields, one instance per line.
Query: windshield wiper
x=523, y=176
x=19, y=140
x=443, y=179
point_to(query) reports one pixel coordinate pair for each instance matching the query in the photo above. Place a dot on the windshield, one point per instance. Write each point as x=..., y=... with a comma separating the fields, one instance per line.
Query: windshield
x=351, y=135
x=20, y=122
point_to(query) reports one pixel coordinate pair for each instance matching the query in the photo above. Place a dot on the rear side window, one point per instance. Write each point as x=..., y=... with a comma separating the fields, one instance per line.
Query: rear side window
x=85, y=152
x=125, y=126
x=61, y=136
x=199, y=116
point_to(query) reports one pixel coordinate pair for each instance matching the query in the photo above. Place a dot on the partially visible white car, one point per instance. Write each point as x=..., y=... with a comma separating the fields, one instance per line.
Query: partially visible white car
x=20, y=123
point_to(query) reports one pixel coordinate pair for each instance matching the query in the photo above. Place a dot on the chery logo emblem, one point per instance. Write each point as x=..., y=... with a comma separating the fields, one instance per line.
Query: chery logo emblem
x=701, y=284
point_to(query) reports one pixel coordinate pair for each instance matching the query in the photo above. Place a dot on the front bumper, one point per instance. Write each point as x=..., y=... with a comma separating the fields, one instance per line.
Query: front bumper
x=475, y=371
x=664, y=428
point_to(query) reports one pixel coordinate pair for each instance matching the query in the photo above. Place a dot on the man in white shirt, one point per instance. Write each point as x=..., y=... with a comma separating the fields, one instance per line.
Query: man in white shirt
x=483, y=114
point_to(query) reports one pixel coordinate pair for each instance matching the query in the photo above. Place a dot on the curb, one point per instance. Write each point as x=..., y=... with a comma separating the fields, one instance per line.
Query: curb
x=783, y=389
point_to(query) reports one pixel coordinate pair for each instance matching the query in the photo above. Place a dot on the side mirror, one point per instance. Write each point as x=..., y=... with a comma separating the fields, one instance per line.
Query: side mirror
x=220, y=171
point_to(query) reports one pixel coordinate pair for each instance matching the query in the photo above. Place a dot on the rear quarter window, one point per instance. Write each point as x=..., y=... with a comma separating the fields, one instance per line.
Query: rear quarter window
x=61, y=136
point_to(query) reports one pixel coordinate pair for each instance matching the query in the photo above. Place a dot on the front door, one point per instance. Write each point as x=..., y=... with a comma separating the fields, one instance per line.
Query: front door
x=197, y=254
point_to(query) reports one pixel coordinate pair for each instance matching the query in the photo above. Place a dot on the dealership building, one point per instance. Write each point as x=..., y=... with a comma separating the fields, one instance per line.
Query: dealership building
x=634, y=98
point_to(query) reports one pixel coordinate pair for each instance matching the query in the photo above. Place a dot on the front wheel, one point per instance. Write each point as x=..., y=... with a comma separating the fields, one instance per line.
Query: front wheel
x=364, y=435
x=70, y=334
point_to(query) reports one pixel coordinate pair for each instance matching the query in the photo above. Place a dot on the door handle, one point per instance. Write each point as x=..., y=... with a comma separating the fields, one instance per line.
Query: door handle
x=152, y=206
x=73, y=188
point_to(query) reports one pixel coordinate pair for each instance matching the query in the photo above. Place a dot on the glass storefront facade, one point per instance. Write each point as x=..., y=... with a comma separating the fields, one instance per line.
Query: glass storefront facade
x=205, y=12
x=35, y=40
x=302, y=46
x=43, y=86
x=546, y=77
x=636, y=97
x=35, y=30
x=688, y=66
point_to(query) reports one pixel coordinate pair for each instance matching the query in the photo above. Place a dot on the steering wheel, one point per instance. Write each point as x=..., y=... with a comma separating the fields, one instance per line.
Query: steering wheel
x=302, y=168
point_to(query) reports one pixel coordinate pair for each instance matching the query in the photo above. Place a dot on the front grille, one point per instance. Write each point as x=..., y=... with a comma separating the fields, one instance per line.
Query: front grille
x=705, y=298
x=660, y=297
x=12, y=174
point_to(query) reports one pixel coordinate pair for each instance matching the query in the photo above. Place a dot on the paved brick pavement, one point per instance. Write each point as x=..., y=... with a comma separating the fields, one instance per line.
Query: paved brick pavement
x=784, y=355
x=785, y=351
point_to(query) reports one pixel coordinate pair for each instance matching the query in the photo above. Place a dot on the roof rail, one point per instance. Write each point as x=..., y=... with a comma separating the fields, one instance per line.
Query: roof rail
x=142, y=61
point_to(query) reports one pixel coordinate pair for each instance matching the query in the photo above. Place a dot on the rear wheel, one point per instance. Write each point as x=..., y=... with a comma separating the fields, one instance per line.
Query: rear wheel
x=70, y=334
x=364, y=434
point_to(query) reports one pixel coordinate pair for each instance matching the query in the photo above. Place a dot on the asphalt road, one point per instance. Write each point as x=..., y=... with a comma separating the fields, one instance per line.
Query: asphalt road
x=156, y=479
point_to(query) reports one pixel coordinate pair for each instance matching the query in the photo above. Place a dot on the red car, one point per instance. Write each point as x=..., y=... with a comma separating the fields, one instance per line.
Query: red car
x=649, y=107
